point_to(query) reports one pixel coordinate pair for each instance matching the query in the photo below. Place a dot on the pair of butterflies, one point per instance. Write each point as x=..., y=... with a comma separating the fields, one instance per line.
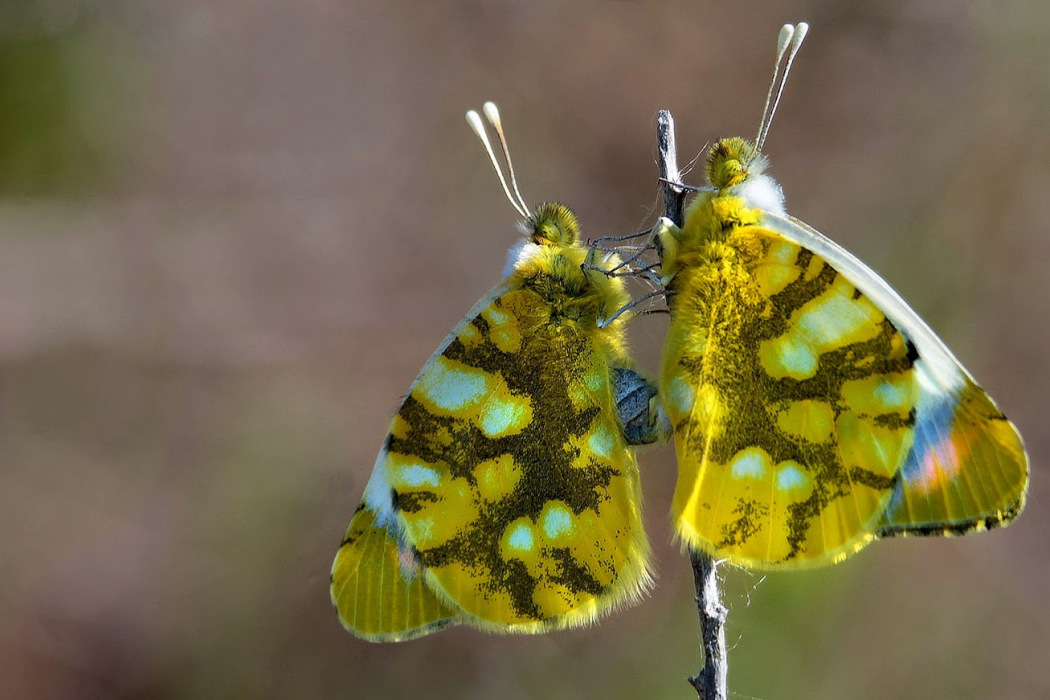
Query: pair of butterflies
x=812, y=410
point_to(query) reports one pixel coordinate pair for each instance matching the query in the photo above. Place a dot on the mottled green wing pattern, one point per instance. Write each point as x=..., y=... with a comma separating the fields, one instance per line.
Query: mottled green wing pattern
x=967, y=468
x=507, y=478
x=511, y=475
x=793, y=401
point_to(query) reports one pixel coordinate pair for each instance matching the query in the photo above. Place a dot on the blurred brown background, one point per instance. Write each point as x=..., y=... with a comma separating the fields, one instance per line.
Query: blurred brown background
x=232, y=232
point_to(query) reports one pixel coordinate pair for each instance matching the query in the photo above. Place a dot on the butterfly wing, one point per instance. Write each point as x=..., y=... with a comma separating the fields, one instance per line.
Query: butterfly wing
x=967, y=469
x=378, y=587
x=377, y=584
x=810, y=404
x=506, y=478
x=511, y=474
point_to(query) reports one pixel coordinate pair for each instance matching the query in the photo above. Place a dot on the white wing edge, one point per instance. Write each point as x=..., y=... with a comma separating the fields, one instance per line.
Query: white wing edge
x=377, y=491
x=940, y=373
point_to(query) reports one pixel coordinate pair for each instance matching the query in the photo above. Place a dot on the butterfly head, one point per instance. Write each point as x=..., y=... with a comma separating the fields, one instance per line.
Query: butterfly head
x=550, y=259
x=732, y=161
x=735, y=166
x=552, y=224
x=739, y=189
x=553, y=262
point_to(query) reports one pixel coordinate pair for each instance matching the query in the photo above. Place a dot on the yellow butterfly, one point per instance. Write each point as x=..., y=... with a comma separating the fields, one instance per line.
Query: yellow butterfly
x=506, y=495
x=813, y=410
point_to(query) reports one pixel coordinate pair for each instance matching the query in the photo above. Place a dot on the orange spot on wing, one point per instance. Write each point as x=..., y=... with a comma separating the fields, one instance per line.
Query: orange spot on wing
x=943, y=460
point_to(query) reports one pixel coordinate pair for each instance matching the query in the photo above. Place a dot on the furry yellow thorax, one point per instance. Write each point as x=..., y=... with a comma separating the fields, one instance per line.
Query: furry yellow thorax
x=556, y=271
x=715, y=213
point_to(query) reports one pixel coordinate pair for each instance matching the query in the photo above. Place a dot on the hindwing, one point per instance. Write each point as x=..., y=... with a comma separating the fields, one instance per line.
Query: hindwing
x=967, y=469
x=511, y=475
x=506, y=495
x=814, y=411
x=378, y=587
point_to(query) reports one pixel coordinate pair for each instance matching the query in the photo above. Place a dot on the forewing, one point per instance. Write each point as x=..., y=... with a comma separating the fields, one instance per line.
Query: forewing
x=793, y=399
x=967, y=468
x=377, y=584
x=510, y=474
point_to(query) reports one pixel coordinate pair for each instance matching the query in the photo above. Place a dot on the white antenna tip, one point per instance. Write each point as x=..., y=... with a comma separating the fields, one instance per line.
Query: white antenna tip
x=792, y=35
x=786, y=32
x=492, y=112
x=474, y=120
x=801, y=29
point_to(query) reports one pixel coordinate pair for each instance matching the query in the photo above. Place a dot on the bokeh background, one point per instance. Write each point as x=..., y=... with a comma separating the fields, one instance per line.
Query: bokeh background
x=232, y=232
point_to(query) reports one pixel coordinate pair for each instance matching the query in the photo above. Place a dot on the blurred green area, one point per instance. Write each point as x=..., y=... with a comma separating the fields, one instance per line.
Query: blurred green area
x=222, y=227
x=67, y=85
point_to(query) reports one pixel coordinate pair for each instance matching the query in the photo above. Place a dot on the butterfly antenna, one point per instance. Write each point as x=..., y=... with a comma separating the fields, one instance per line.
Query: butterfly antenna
x=492, y=113
x=783, y=40
x=793, y=36
x=474, y=119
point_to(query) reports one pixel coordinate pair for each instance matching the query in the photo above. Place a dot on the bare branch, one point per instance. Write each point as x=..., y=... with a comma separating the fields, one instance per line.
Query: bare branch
x=710, y=682
x=670, y=178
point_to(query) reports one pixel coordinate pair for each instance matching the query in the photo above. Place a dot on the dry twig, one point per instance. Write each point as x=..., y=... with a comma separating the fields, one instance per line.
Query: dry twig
x=710, y=681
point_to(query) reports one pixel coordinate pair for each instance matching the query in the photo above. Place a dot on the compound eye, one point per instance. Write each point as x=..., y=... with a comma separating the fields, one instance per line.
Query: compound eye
x=547, y=232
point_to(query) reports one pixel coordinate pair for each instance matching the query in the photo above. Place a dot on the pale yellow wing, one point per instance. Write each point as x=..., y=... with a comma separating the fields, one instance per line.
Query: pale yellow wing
x=510, y=474
x=377, y=585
